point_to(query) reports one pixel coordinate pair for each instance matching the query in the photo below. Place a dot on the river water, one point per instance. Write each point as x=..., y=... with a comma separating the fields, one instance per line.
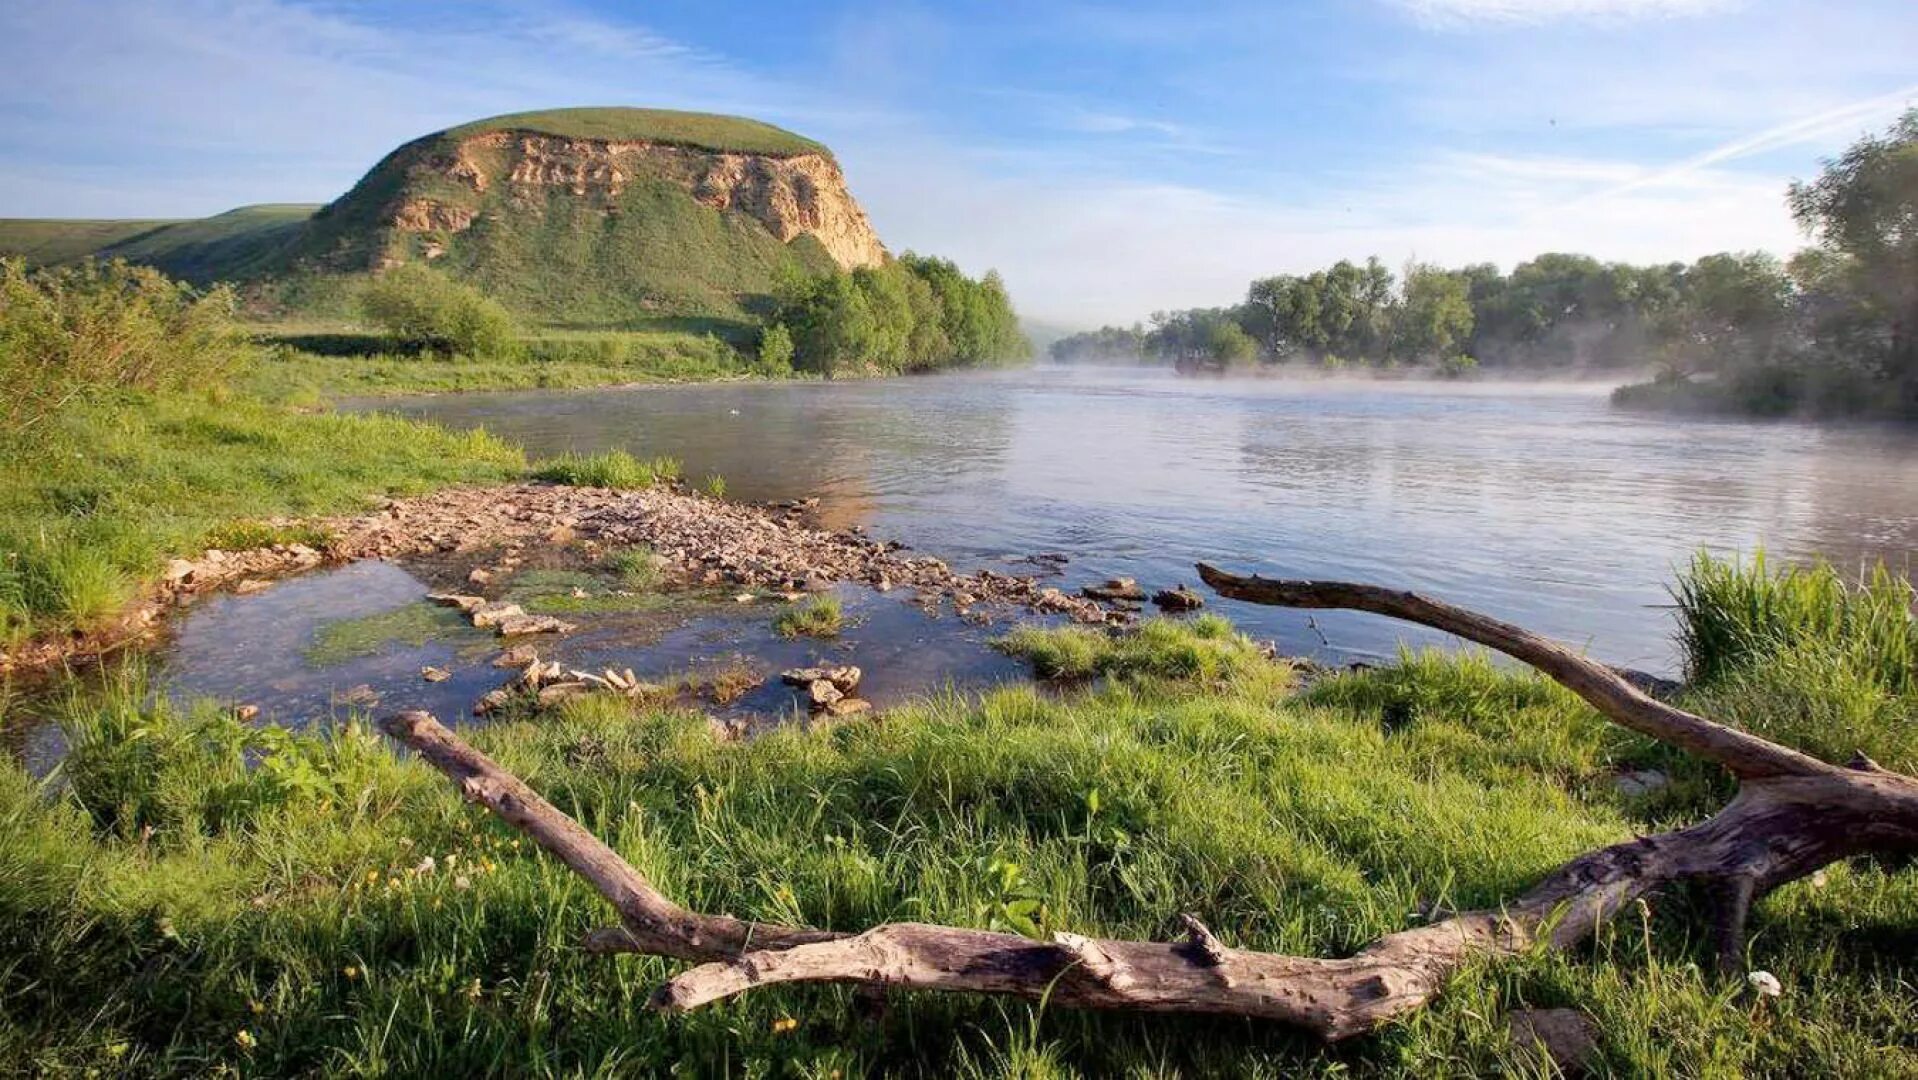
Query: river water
x=1541, y=505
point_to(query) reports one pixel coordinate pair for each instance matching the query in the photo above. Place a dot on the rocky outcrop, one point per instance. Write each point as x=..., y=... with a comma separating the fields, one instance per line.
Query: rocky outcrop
x=791, y=196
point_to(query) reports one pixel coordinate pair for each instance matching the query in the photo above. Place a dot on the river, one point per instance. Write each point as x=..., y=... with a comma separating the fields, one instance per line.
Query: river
x=1540, y=504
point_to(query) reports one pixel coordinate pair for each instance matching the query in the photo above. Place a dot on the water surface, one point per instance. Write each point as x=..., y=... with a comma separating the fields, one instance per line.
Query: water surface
x=1542, y=505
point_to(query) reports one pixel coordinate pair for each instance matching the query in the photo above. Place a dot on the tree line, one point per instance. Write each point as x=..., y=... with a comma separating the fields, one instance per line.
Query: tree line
x=1834, y=328
x=913, y=313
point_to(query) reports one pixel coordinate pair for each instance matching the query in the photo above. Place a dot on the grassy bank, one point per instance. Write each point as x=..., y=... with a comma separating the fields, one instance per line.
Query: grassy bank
x=337, y=909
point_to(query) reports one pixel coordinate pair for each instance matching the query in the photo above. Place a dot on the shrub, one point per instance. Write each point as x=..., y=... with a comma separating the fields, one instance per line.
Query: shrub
x=610, y=469
x=421, y=308
x=776, y=350
x=72, y=333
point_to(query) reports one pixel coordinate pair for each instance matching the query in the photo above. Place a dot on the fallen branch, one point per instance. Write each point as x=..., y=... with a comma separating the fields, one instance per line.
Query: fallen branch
x=1792, y=815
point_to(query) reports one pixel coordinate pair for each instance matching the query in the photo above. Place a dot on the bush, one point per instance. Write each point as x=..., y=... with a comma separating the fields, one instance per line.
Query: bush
x=421, y=308
x=612, y=469
x=776, y=350
x=73, y=333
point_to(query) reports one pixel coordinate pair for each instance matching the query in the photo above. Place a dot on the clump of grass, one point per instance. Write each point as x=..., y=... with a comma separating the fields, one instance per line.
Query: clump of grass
x=607, y=469
x=638, y=567
x=1206, y=648
x=732, y=681
x=715, y=486
x=821, y=616
x=248, y=535
x=1804, y=656
x=1734, y=614
x=63, y=581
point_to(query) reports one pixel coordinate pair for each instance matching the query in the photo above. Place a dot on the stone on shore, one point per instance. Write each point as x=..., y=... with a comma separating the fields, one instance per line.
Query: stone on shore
x=1178, y=598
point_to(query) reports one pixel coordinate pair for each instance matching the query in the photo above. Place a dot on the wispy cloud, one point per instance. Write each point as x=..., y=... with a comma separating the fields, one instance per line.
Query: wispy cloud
x=1466, y=12
x=1843, y=119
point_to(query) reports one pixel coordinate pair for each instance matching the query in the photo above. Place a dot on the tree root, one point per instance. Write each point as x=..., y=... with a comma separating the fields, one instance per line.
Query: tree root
x=1792, y=815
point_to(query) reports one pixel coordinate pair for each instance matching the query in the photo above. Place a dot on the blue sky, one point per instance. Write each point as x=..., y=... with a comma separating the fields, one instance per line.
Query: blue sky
x=1109, y=159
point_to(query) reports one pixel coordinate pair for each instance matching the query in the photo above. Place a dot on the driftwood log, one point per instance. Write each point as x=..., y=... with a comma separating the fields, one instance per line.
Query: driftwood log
x=1792, y=814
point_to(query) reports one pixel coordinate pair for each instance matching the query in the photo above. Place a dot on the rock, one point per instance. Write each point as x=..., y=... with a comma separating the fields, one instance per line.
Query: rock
x=513, y=625
x=435, y=674
x=1178, y=598
x=847, y=706
x=178, y=571
x=249, y=586
x=1639, y=783
x=362, y=696
x=802, y=676
x=516, y=657
x=823, y=693
x=1119, y=588
x=492, y=701
x=246, y=713
x=490, y=615
x=844, y=678
x=562, y=692
x=467, y=604
x=1568, y=1037
x=745, y=598
x=480, y=576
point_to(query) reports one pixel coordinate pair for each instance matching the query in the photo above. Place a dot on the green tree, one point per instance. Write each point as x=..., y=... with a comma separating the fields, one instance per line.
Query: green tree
x=1863, y=210
x=1434, y=317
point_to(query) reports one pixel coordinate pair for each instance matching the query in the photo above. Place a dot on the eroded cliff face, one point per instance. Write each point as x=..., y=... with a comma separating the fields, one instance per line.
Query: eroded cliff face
x=790, y=196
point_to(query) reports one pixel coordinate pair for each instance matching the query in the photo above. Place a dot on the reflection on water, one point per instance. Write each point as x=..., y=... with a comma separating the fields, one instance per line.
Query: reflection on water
x=1541, y=505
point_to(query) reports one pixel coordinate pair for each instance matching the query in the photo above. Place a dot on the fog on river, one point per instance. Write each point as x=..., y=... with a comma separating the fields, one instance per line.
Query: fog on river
x=1539, y=504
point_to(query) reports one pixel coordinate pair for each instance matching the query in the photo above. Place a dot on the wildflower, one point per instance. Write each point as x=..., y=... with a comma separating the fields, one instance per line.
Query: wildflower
x=451, y=860
x=392, y=883
x=245, y=1039
x=426, y=866
x=406, y=841
x=256, y=1005
x=1819, y=879
x=350, y=972
x=372, y=877
x=1765, y=983
x=784, y=1024
x=462, y=882
x=473, y=990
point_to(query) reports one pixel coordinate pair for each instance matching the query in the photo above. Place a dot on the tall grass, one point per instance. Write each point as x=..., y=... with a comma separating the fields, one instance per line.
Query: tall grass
x=606, y=469
x=1736, y=613
x=1804, y=655
x=821, y=616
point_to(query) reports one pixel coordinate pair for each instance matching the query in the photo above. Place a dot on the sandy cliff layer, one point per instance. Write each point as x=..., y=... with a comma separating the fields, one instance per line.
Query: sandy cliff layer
x=803, y=194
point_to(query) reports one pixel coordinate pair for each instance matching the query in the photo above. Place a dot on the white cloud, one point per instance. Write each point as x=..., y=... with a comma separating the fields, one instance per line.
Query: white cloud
x=1458, y=12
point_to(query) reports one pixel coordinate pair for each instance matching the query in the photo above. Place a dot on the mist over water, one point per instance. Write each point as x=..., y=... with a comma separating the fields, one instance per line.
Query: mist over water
x=1535, y=502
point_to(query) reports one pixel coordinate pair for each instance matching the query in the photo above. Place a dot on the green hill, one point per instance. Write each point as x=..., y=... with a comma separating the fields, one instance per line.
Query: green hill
x=587, y=217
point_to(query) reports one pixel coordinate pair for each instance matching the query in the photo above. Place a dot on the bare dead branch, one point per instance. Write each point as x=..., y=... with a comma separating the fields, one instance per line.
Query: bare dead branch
x=1746, y=755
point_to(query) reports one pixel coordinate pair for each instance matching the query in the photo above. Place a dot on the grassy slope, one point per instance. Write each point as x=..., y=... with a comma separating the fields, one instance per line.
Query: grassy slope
x=109, y=490
x=50, y=241
x=704, y=131
x=280, y=920
x=226, y=246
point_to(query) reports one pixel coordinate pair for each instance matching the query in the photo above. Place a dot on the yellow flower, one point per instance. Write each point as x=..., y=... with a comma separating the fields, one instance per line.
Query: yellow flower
x=245, y=1039
x=350, y=971
x=257, y=1007
x=784, y=1024
x=372, y=877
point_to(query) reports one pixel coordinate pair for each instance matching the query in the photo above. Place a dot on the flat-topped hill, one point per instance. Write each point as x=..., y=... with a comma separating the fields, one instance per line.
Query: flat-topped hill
x=590, y=216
